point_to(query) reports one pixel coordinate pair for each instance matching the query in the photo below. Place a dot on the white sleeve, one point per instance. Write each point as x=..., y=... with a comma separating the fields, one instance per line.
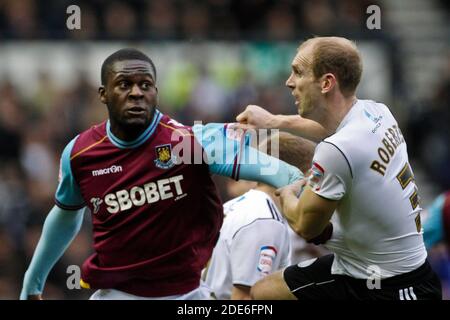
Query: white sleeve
x=331, y=174
x=257, y=250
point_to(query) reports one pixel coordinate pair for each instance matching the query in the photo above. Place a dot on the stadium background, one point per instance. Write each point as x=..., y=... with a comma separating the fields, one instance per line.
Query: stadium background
x=213, y=57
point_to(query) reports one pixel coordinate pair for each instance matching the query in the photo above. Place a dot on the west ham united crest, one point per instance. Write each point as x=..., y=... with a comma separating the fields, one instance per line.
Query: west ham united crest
x=164, y=158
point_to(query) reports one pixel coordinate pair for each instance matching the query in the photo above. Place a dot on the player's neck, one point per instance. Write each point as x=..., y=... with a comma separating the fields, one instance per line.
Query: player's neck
x=129, y=133
x=126, y=134
x=338, y=108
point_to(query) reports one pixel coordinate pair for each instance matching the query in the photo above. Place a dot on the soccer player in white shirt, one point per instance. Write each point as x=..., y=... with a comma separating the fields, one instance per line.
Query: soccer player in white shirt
x=361, y=173
x=254, y=239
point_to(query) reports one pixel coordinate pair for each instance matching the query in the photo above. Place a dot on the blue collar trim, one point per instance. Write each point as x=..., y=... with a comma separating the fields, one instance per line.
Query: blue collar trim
x=139, y=140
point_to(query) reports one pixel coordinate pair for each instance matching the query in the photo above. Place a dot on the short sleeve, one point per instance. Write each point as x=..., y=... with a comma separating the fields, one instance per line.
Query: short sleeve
x=257, y=250
x=330, y=175
x=68, y=195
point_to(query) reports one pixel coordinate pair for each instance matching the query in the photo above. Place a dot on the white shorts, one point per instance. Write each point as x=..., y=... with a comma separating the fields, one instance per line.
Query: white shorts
x=203, y=292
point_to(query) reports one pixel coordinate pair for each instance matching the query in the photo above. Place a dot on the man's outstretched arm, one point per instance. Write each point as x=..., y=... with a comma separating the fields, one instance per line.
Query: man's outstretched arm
x=256, y=117
x=234, y=157
x=257, y=166
x=60, y=228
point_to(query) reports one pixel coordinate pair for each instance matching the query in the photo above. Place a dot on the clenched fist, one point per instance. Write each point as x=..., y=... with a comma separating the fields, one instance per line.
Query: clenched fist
x=255, y=117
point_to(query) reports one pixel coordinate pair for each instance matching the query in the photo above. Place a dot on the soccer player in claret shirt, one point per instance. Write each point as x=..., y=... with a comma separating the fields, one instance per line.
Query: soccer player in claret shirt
x=155, y=218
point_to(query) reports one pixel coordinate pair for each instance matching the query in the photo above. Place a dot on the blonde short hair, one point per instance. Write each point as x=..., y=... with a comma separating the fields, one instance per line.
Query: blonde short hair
x=338, y=56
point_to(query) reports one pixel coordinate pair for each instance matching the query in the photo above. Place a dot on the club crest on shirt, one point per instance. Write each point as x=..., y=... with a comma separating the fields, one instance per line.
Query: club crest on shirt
x=316, y=176
x=96, y=202
x=164, y=158
x=267, y=256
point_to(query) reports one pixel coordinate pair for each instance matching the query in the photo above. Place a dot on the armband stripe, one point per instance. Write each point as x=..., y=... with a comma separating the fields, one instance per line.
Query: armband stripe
x=69, y=207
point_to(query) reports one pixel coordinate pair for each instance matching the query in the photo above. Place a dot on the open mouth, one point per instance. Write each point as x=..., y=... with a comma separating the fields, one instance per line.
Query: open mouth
x=296, y=99
x=136, y=110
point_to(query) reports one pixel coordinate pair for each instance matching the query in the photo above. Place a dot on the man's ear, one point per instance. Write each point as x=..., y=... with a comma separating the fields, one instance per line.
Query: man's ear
x=328, y=82
x=102, y=94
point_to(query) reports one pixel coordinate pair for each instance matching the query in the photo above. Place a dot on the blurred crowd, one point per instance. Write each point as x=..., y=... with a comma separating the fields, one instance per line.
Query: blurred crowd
x=177, y=19
x=34, y=129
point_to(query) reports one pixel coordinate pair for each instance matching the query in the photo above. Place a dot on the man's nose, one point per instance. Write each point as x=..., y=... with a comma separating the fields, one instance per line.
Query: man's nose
x=136, y=92
x=289, y=82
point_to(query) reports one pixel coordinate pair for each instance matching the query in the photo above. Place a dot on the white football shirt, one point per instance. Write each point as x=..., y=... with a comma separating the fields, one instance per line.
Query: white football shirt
x=253, y=242
x=365, y=166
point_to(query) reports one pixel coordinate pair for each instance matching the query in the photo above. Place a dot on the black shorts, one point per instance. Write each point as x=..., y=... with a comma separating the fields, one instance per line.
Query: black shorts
x=315, y=282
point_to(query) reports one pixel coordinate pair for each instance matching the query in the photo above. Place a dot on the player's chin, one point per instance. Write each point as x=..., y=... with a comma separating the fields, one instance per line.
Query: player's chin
x=299, y=106
x=136, y=121
x=304, y=111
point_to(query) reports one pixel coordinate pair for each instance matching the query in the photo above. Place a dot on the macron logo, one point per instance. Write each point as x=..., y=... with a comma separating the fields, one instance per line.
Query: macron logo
x=112, y=169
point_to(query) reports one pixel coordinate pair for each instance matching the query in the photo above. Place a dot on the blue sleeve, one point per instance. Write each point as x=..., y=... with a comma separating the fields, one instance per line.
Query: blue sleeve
x=60, y=227
x=433, y=230
x=68, y=195
x=230, y=154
